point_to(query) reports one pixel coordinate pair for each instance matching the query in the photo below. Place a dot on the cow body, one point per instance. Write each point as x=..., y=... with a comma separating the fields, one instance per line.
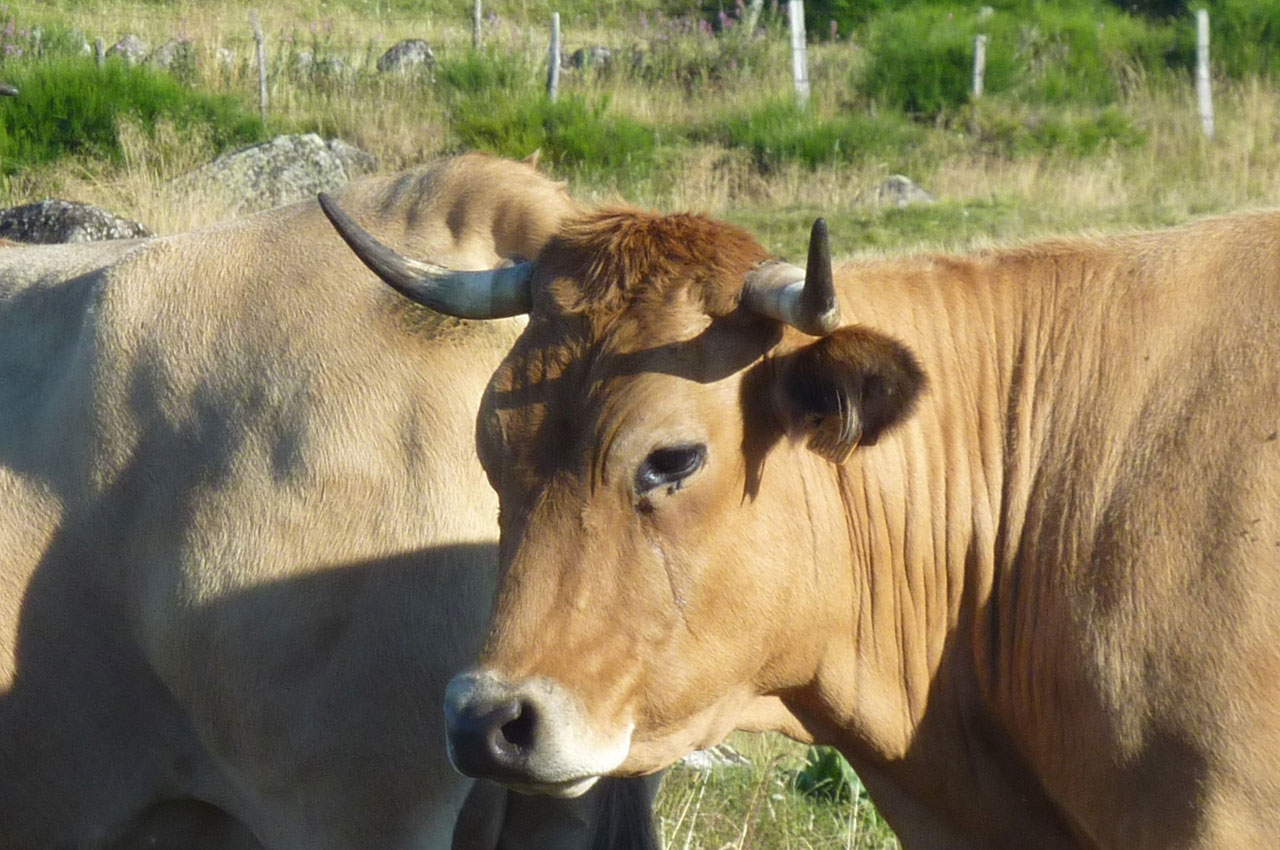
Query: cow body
x=1011, y=540
x=246, y=541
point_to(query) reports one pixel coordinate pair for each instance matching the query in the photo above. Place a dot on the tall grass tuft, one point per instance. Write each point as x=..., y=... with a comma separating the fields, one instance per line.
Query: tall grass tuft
x=70, y=107
x=496, y=104
x=778, y=131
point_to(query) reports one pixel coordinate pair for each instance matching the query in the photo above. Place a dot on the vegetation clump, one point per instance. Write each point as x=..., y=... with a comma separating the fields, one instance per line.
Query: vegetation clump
x=70, y=107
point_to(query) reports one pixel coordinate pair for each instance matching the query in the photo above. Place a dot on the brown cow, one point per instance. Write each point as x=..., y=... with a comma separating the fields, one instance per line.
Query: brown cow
x=1036, y=604
x=245, y=540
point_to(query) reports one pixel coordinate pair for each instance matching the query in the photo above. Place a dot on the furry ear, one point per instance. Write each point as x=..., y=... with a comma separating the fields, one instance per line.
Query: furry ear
x=532, y=159
x=846, y=389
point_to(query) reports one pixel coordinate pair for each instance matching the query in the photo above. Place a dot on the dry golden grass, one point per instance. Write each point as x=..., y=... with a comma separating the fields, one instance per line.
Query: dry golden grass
x=1176, y=174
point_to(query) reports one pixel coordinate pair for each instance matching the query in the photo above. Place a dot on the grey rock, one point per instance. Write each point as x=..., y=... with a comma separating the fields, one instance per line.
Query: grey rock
x=407, y=55
x=332, y=66
x=77, y=36
x=306, y=64
x=176, y=52
x=53, y=221
x=130, y=48
x=595, y=56
x=281, y=171
x=226, y=58
x=901, y=191
x=355, y=162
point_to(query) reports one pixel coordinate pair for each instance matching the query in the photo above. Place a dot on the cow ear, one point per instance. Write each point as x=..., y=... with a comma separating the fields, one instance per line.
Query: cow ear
x=846, y=389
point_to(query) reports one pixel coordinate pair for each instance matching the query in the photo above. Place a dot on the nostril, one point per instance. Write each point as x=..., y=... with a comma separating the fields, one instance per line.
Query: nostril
x=518, y=732
x=492, y=735
x=510, y=731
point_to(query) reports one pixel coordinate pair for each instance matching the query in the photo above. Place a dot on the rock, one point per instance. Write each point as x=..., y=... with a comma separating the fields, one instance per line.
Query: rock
x=281, y=171
x=355, y=162
x=130, y=48
x=407, y=55
x=176, y=53
x=714, y=758
x=901, y=191
x=305, y=64
x=226, y=58
x=332, y=66
x=595, y=56
x=52, y=221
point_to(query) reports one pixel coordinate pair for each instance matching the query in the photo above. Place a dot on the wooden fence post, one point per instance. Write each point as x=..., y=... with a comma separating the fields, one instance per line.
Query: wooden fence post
x=100, y=51
x=475, y=25
x=262, y=63
x=979, y=64
x=553, y=74
x=799, y=53
x=754, y=8
x=1203, y=93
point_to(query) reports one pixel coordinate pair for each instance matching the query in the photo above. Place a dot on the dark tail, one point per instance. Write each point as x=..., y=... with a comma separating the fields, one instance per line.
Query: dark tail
x=626, y=814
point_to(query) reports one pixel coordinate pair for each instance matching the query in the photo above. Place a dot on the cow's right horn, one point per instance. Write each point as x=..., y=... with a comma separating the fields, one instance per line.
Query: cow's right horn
x=490, y=294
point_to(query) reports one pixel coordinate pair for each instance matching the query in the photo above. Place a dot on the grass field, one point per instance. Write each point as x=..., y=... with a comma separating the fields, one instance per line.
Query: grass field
x=686, y=119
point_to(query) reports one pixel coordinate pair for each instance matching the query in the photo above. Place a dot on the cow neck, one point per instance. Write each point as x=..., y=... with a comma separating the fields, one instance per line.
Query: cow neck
x=933, y=512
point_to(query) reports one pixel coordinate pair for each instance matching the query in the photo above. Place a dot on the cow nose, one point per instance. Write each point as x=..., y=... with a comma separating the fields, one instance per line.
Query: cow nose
x=490, y=737
x=528, y=733
x=492, y=727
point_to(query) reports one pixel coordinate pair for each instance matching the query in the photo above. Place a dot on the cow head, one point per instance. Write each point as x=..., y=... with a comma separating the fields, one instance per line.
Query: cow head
x=655, y=436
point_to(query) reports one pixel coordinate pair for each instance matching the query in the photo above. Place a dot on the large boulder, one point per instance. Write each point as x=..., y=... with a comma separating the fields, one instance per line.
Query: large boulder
x=175, y=54
x=281, y=171
x=901, y=191
x=595, y=56
x=408, y=55
x=52, y=221
x=131, y=48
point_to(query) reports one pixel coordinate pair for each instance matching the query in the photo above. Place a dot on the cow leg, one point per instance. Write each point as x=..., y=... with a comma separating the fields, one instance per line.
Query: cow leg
x=185, y=825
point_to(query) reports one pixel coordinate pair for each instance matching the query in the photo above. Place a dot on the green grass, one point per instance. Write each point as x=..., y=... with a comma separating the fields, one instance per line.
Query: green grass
x=497, y=104
x=921, y=56
x=70, y=107
x=780, y=131
x=765, y=805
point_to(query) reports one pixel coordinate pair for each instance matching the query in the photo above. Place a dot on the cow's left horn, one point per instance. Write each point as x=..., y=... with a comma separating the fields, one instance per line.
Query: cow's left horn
x=803, y=298
x=490, y=294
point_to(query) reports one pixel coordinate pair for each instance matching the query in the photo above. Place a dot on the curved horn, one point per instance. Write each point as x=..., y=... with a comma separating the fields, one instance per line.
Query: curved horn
x=803, y=298
x=491, y=294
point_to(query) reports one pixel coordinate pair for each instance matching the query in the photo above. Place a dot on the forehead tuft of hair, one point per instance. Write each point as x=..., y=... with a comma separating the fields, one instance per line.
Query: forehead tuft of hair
x=608, y=259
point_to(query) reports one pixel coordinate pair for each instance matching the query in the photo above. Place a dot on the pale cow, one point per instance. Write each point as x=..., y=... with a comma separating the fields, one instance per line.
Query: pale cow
x=1036, y=603
x=245, y=539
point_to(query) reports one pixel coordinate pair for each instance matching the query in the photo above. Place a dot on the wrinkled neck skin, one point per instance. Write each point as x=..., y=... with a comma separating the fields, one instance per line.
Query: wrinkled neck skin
x=911, y=686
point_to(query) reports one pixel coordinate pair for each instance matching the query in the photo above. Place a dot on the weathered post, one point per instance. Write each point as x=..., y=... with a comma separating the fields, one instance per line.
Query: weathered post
x=979, y=64
x=799, y=53
x=475, y=25
x=1203, y=92
x=749, y=24
x=553, y=75
x=262, y=63
x=100, y=52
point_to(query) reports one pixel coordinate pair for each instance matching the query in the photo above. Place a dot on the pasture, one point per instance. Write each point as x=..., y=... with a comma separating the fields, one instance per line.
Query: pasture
x=689, y=114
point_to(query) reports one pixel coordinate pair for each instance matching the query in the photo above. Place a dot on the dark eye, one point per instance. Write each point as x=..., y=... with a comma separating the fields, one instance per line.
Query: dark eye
x=669, y=467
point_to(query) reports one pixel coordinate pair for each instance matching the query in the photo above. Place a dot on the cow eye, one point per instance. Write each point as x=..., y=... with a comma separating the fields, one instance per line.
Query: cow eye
x=669, y=467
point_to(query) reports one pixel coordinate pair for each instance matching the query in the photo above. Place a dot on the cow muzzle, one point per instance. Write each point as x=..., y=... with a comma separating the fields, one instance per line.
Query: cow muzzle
x=529, y=734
